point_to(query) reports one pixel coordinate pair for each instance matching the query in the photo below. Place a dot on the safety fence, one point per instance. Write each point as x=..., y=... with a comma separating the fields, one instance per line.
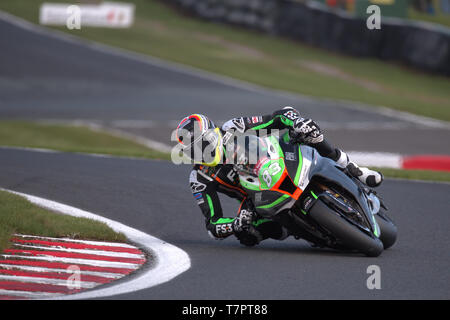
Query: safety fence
x=422, y=45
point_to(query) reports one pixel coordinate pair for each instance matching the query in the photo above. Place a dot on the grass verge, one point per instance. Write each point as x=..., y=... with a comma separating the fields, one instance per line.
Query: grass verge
x=82, y=139
x=161, y=31
x=439, y=17
x=18, y=215
x=71, y=139
x=265, y=60
x=424, y=175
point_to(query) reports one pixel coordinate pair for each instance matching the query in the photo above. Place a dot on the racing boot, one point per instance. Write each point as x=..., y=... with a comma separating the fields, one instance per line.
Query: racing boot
x=367, y=176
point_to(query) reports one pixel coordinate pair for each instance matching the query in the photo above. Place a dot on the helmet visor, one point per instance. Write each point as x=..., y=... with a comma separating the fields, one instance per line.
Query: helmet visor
x=206, y=148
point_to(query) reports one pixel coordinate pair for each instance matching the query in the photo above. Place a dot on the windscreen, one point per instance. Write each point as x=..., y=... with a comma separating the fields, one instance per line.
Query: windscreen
x=248, y=153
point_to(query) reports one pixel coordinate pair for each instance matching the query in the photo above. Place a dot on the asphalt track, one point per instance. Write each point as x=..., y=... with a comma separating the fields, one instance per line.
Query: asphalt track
x=45, y=77
x=153, y=197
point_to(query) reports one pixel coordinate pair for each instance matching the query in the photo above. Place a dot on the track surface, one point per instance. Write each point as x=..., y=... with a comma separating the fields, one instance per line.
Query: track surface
x=153, y=197
x=43, y=77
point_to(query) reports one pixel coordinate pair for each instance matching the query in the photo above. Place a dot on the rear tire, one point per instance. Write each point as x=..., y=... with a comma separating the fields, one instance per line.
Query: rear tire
x=349, y=235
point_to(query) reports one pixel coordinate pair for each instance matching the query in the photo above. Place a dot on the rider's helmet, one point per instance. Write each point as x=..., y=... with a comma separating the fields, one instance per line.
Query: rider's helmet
x=200, y=140
x=250, y=152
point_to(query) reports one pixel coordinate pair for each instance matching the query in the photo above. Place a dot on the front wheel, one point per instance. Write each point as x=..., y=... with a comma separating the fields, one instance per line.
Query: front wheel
x=388, y=230
x=348, y=234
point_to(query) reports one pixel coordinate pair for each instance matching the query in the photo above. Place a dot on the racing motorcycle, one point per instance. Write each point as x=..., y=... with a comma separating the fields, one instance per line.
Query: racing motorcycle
x=313, y=197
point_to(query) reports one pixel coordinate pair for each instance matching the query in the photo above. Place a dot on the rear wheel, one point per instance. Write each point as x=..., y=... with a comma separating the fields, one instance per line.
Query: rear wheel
x=348, y=234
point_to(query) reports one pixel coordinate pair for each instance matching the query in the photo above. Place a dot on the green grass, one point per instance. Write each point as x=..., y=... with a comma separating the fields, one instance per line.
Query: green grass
x=265, y=60
x=269, y=61
x=84, y=140
x=18, y=215
x=71, y=139
x=425, y=175
x=439, y=17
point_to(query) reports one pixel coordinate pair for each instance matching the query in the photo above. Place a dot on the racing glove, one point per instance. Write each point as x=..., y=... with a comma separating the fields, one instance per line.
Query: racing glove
x=231, y=127
x=235, y=124
x=244, y=229
x=306, y=131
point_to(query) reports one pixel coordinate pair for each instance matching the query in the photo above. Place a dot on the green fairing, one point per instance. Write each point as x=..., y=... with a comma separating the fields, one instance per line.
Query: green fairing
x=299, y=168
x=296, y=180
x=275, y=143
x=249, y=186
x=272, y=170
x=273, y=204
x=270, y=173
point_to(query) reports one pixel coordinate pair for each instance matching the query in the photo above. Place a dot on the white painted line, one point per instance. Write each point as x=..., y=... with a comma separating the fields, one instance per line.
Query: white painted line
x=29, y=294
x=152, y=144
x=367, y=125
x=136, y=124
x=55, y=270
x=413, y=118
x=95, y=243
x=32, y=149
x=85, y=251
x=89, y=262
x=85, y=154
x=376, y=159
x=114, y=131
x=169, y=260
x=149, y=143
x=56, y=282
x=207, y=75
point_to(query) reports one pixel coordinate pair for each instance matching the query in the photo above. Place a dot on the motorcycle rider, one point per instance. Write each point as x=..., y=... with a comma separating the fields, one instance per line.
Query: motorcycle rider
x=214, y=175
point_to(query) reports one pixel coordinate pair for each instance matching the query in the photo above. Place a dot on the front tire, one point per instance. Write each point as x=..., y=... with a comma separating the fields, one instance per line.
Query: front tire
x=348, y=234
x=388, y=230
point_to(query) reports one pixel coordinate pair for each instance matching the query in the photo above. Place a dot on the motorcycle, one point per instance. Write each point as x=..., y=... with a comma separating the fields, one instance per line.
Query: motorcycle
x=313, y=197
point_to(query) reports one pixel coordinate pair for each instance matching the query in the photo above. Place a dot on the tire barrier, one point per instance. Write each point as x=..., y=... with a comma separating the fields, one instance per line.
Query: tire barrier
x=417, y=44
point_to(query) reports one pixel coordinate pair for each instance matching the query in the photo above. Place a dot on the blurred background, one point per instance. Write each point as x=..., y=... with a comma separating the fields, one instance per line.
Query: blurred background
x=431, y=10
x=384, y=90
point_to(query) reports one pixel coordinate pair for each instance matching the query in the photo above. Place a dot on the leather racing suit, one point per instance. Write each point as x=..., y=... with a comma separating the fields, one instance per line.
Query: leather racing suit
x=207, y=182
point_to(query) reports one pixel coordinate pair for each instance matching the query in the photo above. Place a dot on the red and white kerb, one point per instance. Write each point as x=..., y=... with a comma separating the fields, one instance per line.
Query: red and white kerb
x=42, y=267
